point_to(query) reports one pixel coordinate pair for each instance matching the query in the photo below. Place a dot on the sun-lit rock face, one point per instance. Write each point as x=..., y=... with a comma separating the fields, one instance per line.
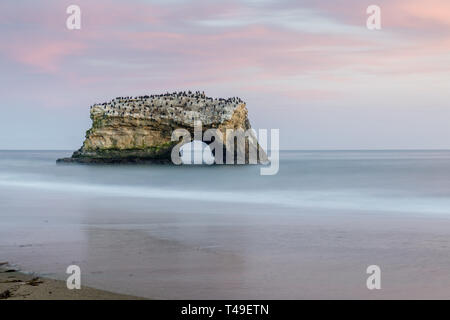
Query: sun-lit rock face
x=134, y=129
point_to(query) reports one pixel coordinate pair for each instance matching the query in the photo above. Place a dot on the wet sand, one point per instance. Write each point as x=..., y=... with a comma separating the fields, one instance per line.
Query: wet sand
x=15, y=285
x=292, y=257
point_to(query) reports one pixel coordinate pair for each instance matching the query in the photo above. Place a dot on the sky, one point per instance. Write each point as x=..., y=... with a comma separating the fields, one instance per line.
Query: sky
x=310, y=68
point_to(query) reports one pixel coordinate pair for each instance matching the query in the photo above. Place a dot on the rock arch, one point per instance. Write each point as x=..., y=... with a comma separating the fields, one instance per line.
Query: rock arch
x=139, y=129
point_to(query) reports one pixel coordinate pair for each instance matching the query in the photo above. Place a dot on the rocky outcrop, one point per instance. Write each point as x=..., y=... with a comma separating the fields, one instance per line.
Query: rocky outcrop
x=139, y=129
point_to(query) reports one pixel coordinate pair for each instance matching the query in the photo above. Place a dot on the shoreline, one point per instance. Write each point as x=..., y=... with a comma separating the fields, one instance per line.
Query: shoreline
x=101, y=161
x=17, y=285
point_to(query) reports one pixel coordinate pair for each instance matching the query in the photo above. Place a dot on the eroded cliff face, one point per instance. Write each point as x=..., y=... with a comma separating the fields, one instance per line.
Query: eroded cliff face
x=140, y=128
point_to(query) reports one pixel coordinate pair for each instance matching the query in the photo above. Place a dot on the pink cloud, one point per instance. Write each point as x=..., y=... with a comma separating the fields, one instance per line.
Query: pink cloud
x=160, y=45
x=46, y=56
x=418, y=14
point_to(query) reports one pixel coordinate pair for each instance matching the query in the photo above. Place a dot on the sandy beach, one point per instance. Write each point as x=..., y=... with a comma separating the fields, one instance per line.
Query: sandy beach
x=15, y=285
x=328, y=260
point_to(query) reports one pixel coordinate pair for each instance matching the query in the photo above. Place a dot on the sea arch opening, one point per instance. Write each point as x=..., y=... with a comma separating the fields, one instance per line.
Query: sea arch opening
x=196, y=153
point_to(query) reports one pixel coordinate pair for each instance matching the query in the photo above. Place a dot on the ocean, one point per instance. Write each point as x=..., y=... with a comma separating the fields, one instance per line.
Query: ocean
x=227, y=232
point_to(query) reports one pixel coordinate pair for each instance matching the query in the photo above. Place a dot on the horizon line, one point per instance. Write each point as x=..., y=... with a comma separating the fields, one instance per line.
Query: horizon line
x=303, y=150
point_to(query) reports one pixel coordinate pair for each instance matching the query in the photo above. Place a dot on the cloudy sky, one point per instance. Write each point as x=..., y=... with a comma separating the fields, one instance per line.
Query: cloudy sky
x=308, y=67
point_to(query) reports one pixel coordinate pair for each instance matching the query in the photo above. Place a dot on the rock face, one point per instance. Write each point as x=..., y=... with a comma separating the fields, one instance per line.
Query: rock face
x=139, y=129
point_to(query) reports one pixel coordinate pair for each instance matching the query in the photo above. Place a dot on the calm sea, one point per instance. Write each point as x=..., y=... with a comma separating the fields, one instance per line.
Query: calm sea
x=223, y=231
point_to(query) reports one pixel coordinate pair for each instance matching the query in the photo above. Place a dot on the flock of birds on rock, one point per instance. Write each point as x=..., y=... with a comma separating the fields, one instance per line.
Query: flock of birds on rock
x=139, y=104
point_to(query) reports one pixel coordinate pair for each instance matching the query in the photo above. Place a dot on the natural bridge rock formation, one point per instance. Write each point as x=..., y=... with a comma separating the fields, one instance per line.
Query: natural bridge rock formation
x=139, y=129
